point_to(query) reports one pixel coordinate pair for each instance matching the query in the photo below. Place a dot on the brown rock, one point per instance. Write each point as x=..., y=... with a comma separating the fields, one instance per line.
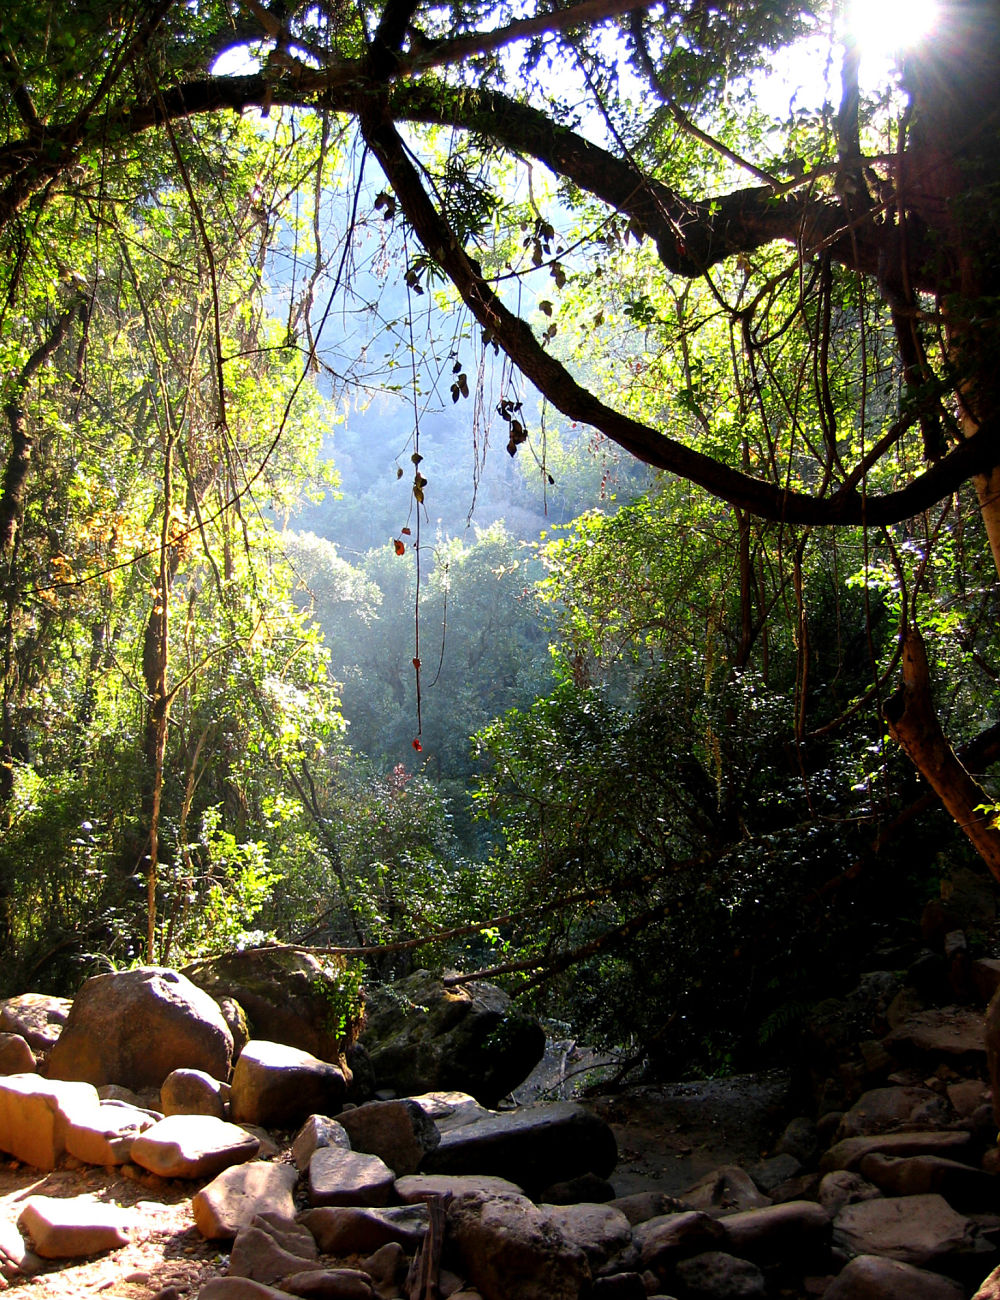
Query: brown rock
x=233, y=1199
x=418, y=1187
x=270, y=1249
x=330, y=1284
x=883, y=1109
x=509, y=1250
x=670, y=1237
x=63, y=1227
x=193, y=1092
x=38, y=1018
x=16, y=1057
x=193, y=1146
x=917, y=1230
x=338, y=1177
x=134, y=1027
x=725, y=1191
x=359, y=1230
x=239, y=1288
x=849, y=1153
x=35, y=1115
x=104, y=1136
x=778, y=1232
x=318, y=1131
x=913, y=1175
x=600, y=1231
x=274, y=1084
x=939, y=1032
x=398, y=1132
x=868, y=1277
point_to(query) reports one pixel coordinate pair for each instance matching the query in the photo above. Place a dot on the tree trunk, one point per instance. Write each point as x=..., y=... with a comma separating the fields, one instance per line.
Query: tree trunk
x=914, y=725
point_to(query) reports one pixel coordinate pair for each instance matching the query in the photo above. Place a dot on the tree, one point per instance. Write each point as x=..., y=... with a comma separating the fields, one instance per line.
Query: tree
x=847, y=261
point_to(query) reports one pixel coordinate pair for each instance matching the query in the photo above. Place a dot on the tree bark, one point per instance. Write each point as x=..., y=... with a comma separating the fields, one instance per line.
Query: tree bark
x=913, y=723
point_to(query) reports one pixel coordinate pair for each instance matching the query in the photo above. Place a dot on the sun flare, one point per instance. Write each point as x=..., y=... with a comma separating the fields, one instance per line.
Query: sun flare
x=883, y=28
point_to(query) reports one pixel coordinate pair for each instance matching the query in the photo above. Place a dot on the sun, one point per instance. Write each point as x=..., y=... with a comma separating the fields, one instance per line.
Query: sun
x=886, y=28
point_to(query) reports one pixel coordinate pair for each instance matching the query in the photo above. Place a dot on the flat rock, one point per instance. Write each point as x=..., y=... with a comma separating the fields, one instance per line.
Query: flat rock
x=64, y=1227
x=913, y=1175
x=916, y=1230
x=945, y=1031
x=951, y=1143
x=104, y=1135
x=193, y=1146
x=35, y=1115
x=338, y=1177
x=399, y=1132
x=37, y=1017
x=236, y=1196
x=450, y=1110
x=533, y=1147
x=870, y=1277
x=418, y=1187
x=843, y=1187
x=274, y=1084
x=239, y=1288
x=359, y=1230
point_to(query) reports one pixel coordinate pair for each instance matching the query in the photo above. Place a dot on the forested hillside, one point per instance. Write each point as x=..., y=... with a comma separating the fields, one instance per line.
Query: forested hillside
x=498, y=485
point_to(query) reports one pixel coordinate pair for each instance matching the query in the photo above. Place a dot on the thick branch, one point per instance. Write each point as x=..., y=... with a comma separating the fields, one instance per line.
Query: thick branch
x=914, y=724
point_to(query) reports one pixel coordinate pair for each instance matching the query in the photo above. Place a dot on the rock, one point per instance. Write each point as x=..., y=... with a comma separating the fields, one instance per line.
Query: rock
x=916, y=1230
x=844, y=1187
x=423, y=1036
x=104, y=1136
x=725, y=1191
x=278, y=1085
x=869, y=1277
x=715, y=1275
x=330, y=1284
x=236, y=1196
x=600, y=1231
x=239, y=1288
x=617, y=1286
x=882, y=1109
x=509, y=1250
x=532, y=1147
x=799, y=1139
x=985, y=975
x=413, y=1188
x=133, y=1027
x=63, y=1227
x=35, y=1115
x=270, y=1249
x=318, y=1131
x=36, y=1017
x=16, y=1057
x=357, y=1230
x=193, y=1092
x=949, y=1032
x=661, y=1242
x=584, y=1189
x=642, y=1206
x=912, y=1175
x=450, y=1110
x=387, y=1265
x=774, y=1172
x=777, y=1233
x=338, y=1177
x=848, y=1154
x=398, y=1132
x=289, y=997
x=193, y=1146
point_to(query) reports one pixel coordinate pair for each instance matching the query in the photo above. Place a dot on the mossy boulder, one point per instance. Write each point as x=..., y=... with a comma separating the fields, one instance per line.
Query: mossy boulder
x=289, y=997
x=425, y=1036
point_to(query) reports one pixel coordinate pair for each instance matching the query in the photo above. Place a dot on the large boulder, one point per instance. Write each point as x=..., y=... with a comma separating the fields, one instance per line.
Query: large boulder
x=274, y=1084
x=134, y=1027
x=289, y=997
x=425, y=1036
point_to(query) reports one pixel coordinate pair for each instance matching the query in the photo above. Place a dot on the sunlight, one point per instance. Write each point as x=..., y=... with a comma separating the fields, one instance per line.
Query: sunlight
x=883, y=28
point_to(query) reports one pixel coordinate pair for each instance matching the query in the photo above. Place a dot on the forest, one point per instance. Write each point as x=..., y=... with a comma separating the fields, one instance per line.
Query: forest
x=499, y=486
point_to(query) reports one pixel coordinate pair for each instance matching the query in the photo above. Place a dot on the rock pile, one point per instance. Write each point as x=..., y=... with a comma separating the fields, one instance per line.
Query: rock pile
x=434, y=1196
